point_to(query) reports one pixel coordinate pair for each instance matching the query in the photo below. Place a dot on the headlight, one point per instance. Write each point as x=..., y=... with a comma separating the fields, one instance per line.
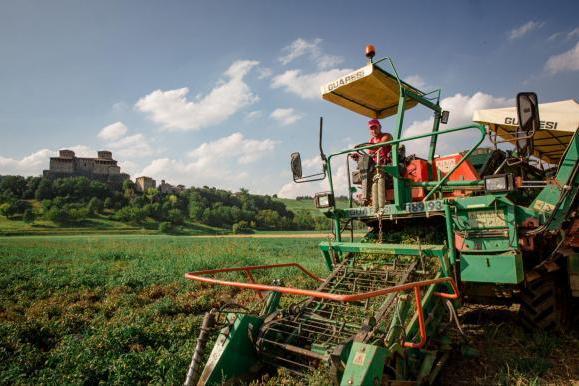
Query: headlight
x=324, y=200
x=500, y=183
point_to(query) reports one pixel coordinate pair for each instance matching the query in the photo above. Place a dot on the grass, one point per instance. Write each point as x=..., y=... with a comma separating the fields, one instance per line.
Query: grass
x=98, y=225
x=116, y=309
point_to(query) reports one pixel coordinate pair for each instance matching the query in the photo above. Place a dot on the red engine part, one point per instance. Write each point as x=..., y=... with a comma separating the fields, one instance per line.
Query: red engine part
x=417, y=171
x=465, y=172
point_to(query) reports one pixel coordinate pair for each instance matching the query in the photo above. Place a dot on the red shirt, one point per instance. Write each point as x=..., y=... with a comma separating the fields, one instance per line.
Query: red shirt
x=384, y=151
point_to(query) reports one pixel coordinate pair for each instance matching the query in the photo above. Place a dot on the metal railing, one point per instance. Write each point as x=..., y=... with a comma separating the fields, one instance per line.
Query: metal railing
x=440, y=183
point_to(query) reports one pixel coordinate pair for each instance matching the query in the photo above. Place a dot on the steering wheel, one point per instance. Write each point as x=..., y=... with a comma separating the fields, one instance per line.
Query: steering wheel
x=363, y=144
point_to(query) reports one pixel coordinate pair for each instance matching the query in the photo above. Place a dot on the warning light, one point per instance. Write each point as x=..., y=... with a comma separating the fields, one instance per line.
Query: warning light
x=370, y=51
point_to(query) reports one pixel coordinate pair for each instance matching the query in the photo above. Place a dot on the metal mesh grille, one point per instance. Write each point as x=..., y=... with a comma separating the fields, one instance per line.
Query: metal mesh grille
x=309, y=332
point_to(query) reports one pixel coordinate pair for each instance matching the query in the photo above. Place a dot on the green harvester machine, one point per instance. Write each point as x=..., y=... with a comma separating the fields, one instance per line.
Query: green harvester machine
x=486, y=225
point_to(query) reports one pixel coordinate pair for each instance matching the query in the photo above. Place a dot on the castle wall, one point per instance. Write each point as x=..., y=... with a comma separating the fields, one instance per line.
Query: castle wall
x=104, y=168
x=63, y=165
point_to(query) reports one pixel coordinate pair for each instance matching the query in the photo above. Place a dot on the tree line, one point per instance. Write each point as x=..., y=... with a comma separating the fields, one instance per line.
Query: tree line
x=75, y=199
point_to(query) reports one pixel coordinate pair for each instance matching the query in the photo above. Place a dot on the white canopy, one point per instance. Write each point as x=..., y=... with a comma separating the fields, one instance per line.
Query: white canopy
x=559, y=122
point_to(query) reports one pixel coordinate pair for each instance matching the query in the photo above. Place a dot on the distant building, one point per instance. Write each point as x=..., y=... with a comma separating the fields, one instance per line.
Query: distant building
x=103, y=168
x=142, y=184
x=166, y=188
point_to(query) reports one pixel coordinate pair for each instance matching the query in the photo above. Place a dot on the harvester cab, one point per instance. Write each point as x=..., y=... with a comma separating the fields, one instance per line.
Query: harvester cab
x=443, y=230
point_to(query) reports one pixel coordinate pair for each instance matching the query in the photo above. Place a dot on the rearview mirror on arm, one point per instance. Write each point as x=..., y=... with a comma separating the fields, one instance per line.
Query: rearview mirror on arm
x=528, y=114
x=296, y=165
x=528, y=111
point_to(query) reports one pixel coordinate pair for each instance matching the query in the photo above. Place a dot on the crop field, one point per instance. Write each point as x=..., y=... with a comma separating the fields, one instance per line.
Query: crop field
x=116, y=309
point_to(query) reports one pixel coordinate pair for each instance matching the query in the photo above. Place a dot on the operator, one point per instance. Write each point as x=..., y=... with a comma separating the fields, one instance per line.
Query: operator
x=377, y=136
x=382, y=154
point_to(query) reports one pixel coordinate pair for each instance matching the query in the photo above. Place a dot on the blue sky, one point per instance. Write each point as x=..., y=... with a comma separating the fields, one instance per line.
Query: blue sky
x=219, y=93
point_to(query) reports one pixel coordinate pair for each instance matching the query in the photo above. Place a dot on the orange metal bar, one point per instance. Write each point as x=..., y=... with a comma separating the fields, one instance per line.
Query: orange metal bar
x=252, y=268
x=313, y=293
x=416, y=286
x=421, y=323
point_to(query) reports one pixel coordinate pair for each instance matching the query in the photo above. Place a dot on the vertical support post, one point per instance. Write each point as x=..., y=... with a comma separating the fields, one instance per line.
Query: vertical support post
x=399, y=188
x=450, y=234
x=433, y=140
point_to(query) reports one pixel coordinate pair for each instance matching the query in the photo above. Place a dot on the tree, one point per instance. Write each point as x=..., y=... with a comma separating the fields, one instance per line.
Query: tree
x=130, y=214
x=31, y=186
x=29, y=216
x=165, y=227
x=44, y=190
x=11, y=209
x=14, y=184
x=175, y=217
x=108, y=203
x=241, y=227
x=57, y=215
x=94, y=206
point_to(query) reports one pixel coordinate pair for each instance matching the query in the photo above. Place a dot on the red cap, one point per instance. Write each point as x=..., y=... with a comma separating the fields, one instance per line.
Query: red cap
x=374, y=122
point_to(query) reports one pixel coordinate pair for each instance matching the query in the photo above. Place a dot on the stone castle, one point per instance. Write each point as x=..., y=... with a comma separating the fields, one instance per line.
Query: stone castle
x=103, y=168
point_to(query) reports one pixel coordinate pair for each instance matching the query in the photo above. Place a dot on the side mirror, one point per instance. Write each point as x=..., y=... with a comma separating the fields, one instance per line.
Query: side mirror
x=296, y=165
x=444, y=117
x=528, y=114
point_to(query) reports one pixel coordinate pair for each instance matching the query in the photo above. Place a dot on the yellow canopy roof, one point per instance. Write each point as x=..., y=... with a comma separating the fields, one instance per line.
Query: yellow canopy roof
x=369, y=91
x=559, y=122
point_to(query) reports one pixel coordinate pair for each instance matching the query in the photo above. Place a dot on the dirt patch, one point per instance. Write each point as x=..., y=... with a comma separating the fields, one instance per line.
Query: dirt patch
x=510, y=355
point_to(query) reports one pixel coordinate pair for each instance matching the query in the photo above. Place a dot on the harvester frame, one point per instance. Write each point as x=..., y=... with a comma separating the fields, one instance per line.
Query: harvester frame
x=359, y=321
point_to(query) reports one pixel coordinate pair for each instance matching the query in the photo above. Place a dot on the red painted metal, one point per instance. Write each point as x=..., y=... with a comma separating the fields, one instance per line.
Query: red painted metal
x=421, y=322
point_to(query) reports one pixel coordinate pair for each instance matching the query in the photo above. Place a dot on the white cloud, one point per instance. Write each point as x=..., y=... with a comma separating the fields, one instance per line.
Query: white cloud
x=254, y=115
x=301, y=47
x=306, y=86
x=30, y=165
x=521, y=31
x=218, y=163
x=131, y=146
x=286, y=116
x=120, y=107
x=264, y=72
x=82, y=151
x=126, y=146
x=113, y=131
x=573, y=34
x=567, y=61
x=129, y=167
x=415, y=80
x=173, y=111
x=461, y=108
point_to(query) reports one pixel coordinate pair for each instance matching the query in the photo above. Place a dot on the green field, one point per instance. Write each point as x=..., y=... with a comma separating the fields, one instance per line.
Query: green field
x=88, y=309
x=116, y=309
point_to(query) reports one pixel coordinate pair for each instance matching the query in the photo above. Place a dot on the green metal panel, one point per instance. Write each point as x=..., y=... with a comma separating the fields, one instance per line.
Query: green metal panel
x=392, y=249
x=234, y=353
x=365, y=365
x=485, y=268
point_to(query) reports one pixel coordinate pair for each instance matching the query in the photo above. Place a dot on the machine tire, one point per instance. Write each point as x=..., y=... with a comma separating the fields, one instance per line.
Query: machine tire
x=545, y=303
